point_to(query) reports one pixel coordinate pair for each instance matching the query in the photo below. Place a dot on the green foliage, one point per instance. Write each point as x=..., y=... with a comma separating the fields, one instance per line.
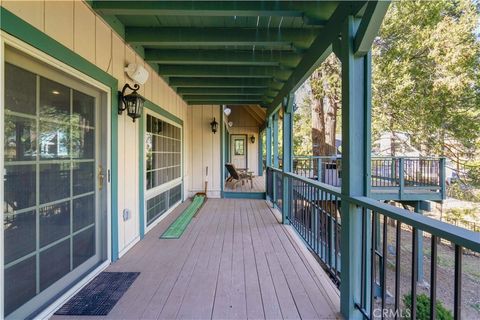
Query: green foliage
x=426, y=79
x=462, y=191
x=460, y=213
x=423, y=307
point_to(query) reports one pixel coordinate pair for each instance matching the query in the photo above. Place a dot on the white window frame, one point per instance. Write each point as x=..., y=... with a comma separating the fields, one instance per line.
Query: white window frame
x=150, y=193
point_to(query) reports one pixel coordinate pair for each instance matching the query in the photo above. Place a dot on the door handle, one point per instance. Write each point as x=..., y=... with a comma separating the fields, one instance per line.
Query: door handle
x=101, y=177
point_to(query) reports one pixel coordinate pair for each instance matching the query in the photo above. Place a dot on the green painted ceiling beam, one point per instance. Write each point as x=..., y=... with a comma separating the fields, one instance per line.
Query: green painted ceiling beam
x=318, y=51
x=223, y=71
x=369, y=26
x=222, y=97
x=217, y=8
x=223, y=91
x=219, y=82
x=215, y=102
x=185, y=36
x=223, y=57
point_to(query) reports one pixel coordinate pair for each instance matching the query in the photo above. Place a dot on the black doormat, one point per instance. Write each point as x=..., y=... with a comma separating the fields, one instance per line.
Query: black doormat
x=99, y=296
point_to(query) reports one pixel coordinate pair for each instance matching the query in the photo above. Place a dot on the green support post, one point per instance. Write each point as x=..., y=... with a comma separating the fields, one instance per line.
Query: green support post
x=287, y=157
x=275, y=139
x=356, y=153
x=260, y=154
x=268, y=160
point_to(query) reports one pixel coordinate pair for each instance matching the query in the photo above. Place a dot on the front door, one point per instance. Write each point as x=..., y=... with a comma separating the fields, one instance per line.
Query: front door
x=52, y=183
x=239, y=150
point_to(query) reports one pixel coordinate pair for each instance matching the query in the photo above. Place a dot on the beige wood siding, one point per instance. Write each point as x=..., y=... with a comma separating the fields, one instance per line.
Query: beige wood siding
x=203, y=149
x=76, y=26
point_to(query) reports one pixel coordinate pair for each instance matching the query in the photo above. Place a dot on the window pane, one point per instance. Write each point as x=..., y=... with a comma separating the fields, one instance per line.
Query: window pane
x=54, y=101
x=83, y=109
x=83, y=177
x=54, y=182
x=54, y=140
x=54, y=263
x=20, y=90
x=54, y=222
x=20, y=235
x=19, y=184
x=20, y=284
x=83, y=142
x=20, y=138
x=83, y=246
x=83, y=212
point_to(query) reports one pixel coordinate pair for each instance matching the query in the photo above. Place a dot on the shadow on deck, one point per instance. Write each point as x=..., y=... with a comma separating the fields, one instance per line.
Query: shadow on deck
x=235, y=261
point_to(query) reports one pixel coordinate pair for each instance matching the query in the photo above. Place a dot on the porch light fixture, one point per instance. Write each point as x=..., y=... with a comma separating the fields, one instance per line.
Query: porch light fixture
x=227, y=111
x=214, y=125
x=252, y=139
x=132, y=102
x=230, y=124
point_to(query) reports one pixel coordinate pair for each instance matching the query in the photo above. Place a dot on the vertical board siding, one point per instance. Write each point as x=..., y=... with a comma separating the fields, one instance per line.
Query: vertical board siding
x=59, y=21
x=32, y=12
x=203, y=150
x=84, y=31
x=77, y=27
x=103, y=46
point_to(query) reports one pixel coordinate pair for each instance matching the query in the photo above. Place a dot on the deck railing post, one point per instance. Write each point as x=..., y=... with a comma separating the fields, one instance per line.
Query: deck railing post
x=401, y=175
x=442, y=177
x=287, y=156
x=260, y=154
x=356, y=96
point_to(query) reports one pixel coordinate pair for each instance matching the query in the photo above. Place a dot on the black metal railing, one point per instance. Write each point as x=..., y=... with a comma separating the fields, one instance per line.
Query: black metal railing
x=389, y=241
x=391, y=177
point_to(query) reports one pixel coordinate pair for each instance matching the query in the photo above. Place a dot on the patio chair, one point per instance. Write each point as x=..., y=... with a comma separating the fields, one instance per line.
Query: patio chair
x=240, y=175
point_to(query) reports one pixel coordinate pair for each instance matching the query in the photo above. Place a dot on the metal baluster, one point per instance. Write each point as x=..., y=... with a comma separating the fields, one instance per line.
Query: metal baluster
x=433, y=279
x=363, y=284
x=372, y=262
x=384, y=263
x=398, y=242
x=457, y=309
x=414, y=273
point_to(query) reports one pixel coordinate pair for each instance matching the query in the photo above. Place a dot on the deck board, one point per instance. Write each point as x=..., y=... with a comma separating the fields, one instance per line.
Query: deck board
x=234, y=261
x=258, y=185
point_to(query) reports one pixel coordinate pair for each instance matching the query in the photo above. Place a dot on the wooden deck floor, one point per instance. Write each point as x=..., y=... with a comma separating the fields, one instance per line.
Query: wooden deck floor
x=258, y=185
x=233, y=262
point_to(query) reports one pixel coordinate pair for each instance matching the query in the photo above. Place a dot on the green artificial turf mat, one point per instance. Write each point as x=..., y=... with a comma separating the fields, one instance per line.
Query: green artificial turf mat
x=176, y=229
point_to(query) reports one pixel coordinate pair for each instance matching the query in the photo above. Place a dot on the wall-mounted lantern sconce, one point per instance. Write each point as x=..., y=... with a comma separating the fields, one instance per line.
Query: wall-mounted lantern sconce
x=214, y=125
x=132, y=102
x=252, y=139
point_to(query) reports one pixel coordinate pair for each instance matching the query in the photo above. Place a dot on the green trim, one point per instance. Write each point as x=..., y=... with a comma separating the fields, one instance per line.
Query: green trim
x=141, y=174
x=222, y=150
x=20, y=29
x=155, y=108
x=244, y=195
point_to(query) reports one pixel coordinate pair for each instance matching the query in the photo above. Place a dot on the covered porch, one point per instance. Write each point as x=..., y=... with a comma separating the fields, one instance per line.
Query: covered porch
x=305, y=249
x=235, y=261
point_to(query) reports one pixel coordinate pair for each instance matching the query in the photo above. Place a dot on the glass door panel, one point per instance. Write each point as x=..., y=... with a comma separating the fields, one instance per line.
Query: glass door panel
x=50, y=199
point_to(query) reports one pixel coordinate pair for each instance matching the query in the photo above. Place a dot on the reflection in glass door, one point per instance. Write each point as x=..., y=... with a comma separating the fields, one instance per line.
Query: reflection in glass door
x=50, y=197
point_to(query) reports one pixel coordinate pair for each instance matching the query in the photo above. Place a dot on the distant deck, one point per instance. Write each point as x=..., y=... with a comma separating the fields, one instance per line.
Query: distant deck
x=258, y=185
x=235, y=261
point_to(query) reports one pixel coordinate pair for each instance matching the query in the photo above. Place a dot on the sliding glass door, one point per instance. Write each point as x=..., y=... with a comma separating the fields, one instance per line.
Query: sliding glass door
x=51, y=192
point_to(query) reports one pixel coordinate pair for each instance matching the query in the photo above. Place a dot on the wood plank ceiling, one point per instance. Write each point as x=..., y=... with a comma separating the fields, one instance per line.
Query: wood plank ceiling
x=230, y=52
